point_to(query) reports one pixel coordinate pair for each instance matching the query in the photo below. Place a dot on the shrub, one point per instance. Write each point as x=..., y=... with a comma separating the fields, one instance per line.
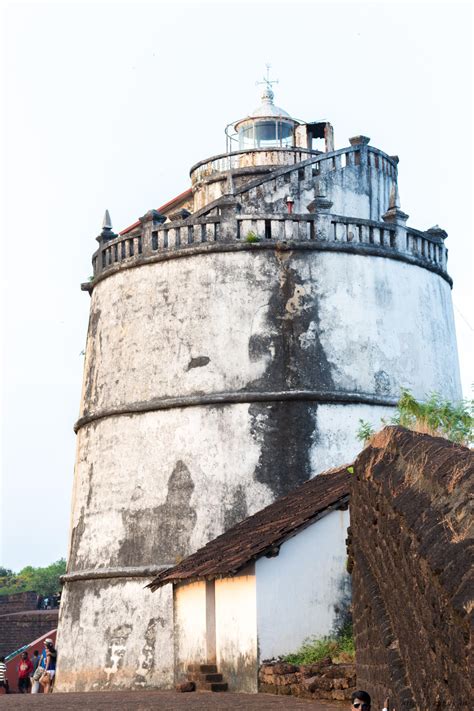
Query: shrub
x=436, y=416
x=340, y=647
x=252, y=237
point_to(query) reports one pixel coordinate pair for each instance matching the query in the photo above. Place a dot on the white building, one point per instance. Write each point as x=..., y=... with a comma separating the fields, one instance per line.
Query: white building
x=260, y=589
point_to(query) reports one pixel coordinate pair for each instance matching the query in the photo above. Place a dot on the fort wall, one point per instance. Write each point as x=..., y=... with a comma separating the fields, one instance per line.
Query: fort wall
x=410, y=548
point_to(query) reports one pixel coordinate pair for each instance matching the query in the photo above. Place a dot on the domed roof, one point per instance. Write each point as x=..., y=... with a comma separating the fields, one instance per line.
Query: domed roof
x=267, y=107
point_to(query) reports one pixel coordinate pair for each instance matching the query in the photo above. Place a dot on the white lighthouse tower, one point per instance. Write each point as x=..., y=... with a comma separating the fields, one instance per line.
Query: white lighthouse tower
x=236, y=337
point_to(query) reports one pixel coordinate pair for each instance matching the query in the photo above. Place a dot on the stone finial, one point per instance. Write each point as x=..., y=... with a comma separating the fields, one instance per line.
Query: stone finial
x=153, y=216
x=107, y=232
x=437, y=231
x=394, y=213
x=107, y=222
x=394, y=197
x=359, y=140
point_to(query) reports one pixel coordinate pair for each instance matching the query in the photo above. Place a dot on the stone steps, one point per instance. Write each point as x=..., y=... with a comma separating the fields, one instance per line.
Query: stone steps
x=195, y=676
x=206, y=677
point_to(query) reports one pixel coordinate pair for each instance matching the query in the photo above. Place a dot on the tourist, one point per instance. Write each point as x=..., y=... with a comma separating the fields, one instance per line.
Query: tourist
x=361, y=701
x=48, y=664
x=3, y=677
x=35, y=660
x=25, y=669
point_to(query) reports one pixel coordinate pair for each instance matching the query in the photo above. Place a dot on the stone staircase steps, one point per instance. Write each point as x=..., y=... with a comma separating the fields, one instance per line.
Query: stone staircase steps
x=206, y=677
x=202, y=668
x=197, y=677
x=213, y=686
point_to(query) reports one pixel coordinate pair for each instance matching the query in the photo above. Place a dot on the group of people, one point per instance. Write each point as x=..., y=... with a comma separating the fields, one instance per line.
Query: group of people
x=35, y=673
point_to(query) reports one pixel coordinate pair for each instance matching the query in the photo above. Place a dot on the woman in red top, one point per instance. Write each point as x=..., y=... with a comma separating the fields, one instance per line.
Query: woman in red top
x=25, y=668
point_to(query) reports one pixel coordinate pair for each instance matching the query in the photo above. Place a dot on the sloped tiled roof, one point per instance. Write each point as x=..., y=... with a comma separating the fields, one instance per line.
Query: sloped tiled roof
x=167, y=206
x=262, y=533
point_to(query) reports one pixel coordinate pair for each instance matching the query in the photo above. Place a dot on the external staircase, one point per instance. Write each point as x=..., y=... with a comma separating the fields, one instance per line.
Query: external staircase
x=206, y=677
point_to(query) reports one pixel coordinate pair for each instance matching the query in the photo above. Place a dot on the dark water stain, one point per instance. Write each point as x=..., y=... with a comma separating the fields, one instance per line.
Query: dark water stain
x=382, y=382
x=161, y=534
x=343, y=605
x=292, y=313
x=198, y=362
x=237, y=510
x=287, y=429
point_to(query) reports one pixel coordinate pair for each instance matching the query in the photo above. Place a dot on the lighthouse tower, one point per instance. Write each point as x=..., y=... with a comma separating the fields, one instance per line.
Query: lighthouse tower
x=236, y=337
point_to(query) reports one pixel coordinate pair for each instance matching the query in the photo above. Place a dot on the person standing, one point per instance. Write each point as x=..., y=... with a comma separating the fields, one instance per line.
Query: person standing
x=3, y=677
x=25, y=669
x=48, y=662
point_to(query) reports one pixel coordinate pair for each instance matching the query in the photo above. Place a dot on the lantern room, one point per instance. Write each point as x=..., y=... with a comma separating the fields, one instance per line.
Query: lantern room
x=268, y=126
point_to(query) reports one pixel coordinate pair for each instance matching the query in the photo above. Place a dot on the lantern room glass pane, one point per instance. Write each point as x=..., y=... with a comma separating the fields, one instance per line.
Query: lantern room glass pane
x=271, y=133
x=246, y=137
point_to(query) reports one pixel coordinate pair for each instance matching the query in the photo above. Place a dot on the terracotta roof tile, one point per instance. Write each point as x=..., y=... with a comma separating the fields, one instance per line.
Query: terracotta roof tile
x=257, y=535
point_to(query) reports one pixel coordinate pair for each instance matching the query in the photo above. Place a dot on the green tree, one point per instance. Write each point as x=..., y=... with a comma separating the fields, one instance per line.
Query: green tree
x=45, y=581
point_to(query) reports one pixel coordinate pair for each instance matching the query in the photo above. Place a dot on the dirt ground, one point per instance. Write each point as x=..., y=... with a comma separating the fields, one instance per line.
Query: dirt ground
x=163, y=701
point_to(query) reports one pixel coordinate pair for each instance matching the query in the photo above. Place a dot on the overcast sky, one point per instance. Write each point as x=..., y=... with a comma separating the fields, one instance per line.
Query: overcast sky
x=107, y=105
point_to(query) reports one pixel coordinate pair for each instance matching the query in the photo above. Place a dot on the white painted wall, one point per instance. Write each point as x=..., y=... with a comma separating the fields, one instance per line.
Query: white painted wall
x=298, y=590
x=189, y=625
x=236, y=630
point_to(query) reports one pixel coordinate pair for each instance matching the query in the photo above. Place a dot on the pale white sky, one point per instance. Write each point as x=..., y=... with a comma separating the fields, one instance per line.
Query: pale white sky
x=107, y=105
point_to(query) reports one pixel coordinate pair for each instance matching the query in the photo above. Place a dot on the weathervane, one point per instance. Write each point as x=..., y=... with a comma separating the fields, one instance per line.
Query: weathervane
x=268, y=93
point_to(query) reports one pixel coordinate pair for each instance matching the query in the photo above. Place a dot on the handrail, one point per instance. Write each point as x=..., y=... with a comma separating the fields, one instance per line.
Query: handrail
x=314, y=156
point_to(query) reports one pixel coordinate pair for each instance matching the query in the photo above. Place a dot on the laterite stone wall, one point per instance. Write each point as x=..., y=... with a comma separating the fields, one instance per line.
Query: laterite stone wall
x=410, y=546
x=21, y=628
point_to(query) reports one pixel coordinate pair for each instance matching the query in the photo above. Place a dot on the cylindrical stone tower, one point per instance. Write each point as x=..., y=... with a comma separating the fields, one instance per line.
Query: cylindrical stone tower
x=236, y=337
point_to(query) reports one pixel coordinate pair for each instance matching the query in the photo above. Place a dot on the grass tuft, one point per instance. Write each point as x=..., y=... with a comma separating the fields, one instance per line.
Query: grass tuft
x=340, y=647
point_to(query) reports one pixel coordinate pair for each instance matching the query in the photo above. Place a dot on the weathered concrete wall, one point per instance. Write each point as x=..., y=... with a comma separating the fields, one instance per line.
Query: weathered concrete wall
x=305, y=590
x=411, y=551
x=195, y=369
x=253, y=321
x=114, y=634
x=236, y=630
x=358, y=180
